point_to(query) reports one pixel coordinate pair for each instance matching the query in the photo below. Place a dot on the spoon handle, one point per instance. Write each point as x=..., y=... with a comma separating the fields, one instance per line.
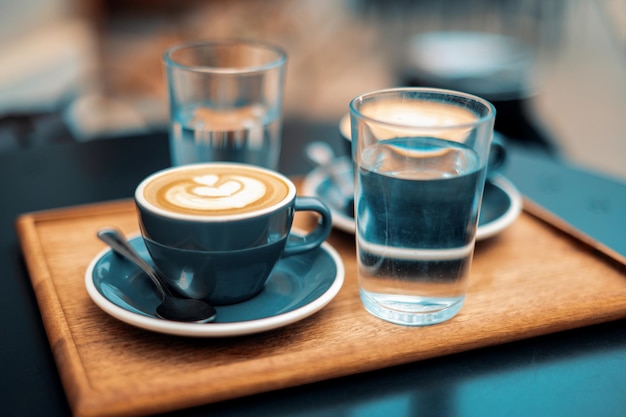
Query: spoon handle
x=116, y=240
x=322, y=154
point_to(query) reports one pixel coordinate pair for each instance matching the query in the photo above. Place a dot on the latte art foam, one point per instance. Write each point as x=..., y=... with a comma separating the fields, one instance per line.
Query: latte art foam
x=212, y=192
x=214, y=189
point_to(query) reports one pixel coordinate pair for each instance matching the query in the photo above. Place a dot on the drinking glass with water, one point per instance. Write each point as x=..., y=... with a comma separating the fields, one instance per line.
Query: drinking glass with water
x=225, y=102
x=420, y=156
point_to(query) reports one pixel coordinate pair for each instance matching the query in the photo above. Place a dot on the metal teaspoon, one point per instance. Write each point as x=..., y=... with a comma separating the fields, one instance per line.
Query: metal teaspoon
x=321, y=154
x=171, y=307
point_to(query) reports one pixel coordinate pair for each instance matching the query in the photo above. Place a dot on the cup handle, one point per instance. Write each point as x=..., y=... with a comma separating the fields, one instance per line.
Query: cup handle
x=318, y=235
x=497, y=155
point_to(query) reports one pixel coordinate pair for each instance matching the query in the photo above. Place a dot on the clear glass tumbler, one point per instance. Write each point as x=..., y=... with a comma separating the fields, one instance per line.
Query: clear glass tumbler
x=225, y=102
x=420, y=159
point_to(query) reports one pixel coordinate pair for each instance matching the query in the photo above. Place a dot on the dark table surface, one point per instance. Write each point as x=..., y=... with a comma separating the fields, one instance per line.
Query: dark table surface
x=576, y=373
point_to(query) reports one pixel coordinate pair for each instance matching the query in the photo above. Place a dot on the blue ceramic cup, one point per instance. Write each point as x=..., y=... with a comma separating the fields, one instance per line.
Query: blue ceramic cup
x=216, y=230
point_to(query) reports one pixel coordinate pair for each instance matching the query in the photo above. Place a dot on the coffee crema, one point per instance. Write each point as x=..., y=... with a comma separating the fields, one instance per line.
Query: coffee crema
x=214, y=190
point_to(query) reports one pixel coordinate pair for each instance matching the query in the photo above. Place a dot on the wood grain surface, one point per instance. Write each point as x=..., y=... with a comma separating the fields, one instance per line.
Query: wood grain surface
x=530, y=280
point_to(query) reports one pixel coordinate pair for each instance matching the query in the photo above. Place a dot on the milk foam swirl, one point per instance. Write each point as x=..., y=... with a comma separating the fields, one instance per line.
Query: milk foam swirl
x=215, y=192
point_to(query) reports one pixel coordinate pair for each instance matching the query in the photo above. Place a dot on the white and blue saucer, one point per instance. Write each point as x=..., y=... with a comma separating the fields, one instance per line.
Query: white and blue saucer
x=298, y=287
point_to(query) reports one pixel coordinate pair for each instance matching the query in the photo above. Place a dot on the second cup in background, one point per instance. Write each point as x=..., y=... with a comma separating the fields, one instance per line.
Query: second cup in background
x=225, y=101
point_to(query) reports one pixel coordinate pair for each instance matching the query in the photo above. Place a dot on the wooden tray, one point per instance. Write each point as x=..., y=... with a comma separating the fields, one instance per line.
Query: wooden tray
x=528, y=281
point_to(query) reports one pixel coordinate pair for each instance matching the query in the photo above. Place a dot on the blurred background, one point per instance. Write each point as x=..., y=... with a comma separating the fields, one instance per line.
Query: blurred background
x=80, y=70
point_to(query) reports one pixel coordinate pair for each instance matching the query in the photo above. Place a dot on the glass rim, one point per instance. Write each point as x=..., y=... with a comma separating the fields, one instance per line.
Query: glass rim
x=490, y=115
x=281, y=56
